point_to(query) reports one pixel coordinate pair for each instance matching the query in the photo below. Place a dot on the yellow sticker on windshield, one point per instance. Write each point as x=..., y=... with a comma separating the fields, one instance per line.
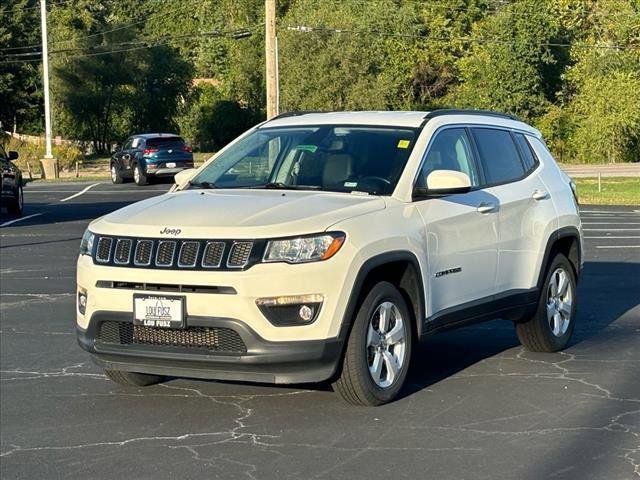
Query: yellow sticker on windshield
x=404, y=143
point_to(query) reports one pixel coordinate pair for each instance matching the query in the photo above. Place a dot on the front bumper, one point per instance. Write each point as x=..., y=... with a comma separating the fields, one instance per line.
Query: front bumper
x=264, y=361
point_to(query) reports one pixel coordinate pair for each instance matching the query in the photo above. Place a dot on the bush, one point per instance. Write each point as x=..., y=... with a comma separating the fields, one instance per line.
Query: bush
x=66, y=154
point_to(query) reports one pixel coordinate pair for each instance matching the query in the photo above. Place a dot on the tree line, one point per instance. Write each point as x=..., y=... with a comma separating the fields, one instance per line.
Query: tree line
x=570, y=67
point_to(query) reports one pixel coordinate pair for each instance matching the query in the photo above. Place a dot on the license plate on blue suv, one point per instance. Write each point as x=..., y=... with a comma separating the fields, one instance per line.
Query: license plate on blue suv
x=159, y=311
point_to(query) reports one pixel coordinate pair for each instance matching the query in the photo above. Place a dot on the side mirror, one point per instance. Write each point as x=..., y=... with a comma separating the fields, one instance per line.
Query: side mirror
x=183, y=177
x=444, y=182
x=12, y=155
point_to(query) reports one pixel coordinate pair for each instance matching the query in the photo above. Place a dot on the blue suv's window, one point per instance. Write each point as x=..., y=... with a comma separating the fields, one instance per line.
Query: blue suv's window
x=499, y=156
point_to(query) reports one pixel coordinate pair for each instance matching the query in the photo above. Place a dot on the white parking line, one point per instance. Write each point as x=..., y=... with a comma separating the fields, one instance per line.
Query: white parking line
x=611, y=229
x=611, y=223
x=5, y=224
x=80, y=192
x=607, y=211
x=610, y=215
x=95, y=191
x=617, y=246
x=630, y=236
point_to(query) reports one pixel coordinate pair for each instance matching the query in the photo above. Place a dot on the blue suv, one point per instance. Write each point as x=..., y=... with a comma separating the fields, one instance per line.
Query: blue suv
x=150, y=155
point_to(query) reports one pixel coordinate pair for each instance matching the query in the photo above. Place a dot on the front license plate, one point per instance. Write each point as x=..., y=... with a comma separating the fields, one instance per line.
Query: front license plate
x=171, y=165
x=159, y=311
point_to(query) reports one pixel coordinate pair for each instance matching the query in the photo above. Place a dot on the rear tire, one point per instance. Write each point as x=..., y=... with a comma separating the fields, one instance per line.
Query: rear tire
x=132, y=379
x=378, y=352
x=15, y=206
x=139, y=176
x=116, y=175
x=549, y=330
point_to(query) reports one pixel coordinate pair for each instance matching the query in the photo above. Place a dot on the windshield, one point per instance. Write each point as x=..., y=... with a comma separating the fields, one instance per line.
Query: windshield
x=333, y=158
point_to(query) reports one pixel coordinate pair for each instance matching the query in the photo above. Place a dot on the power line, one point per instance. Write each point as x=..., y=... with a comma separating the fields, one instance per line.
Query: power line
x=139, y=44
x=84, y=37
x=37, y=7
x=307, y=29
x=56, y=4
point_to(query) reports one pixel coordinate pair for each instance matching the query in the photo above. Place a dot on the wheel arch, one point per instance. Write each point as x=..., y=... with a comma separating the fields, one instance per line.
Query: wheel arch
x=565, y=240
x=402, y=269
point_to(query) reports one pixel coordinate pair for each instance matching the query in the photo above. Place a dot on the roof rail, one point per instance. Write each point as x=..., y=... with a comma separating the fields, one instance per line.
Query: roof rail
x=455, y=111
x=295, y=114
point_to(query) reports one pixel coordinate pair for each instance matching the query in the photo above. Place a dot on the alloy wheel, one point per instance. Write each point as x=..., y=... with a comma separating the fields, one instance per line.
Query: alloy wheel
x=386, y=344
x=559, y=301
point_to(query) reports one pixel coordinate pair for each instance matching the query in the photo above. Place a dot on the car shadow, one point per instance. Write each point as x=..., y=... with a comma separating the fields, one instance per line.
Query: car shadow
x=445, y=354
x=605, y=292
x=51, y=213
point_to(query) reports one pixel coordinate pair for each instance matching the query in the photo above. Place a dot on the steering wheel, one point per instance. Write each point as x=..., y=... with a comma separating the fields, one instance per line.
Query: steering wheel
x=374, y=177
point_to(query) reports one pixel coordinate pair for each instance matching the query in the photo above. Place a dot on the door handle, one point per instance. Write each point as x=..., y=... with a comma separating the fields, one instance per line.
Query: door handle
x=486, y=207
x=540, y=195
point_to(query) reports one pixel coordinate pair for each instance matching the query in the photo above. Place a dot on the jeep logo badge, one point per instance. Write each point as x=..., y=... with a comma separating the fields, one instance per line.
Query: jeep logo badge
x=170, y=231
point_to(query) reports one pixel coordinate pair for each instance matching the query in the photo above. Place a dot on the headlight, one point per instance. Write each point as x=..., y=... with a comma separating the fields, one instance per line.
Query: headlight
x=86, y=244
x=304, y=249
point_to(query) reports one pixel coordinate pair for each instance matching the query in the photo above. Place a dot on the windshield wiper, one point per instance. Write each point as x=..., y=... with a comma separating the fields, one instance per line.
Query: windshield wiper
x=205, y=185
x=286, y=186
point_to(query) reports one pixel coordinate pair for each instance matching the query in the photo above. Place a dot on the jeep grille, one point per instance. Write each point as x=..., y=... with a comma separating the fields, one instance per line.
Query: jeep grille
x=177, y=254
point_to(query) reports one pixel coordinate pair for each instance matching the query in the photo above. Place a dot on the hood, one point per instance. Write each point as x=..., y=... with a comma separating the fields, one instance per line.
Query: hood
x=236, y=213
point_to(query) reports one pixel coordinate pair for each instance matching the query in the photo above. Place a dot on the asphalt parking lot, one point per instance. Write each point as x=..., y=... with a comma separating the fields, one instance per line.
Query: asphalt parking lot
x=476, y=406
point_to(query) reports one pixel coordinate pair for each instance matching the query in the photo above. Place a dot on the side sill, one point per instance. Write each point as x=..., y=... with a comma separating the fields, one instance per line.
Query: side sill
x=513, y=305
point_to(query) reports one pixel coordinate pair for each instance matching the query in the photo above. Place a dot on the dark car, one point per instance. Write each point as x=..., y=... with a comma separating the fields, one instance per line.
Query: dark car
x=12, y=197
x=150, y=155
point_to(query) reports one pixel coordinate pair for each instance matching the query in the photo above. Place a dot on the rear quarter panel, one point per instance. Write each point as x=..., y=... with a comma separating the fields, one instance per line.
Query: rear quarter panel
x=557, y=184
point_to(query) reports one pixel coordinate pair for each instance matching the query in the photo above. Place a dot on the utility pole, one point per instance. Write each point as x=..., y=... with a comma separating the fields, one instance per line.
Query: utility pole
x=49, y=164
x=271, y=55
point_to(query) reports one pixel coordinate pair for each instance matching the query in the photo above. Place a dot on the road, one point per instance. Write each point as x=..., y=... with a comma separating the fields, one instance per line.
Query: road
x=606, y=170
x=477, y=406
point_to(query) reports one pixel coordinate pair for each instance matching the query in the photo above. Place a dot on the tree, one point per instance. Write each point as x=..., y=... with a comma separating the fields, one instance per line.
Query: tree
x=110, y=80
x=603, y=85
x=162, y=80
x=20, y=82
x=512, y=65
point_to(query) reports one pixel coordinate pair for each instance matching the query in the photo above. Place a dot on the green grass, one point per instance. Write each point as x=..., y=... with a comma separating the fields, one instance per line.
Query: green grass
x=615, y=191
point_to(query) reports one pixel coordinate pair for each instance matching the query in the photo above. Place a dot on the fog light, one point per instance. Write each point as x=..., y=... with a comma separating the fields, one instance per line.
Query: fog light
x=82, y=301
x=305, y=313
x=290, y=310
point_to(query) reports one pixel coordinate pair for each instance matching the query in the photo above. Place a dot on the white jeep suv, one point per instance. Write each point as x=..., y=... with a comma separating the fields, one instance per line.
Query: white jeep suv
x=323, y=246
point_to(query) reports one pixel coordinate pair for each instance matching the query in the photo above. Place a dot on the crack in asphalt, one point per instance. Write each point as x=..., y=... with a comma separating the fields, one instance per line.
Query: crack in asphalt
x=240, y=432
x=36, y=375
x=32, y=298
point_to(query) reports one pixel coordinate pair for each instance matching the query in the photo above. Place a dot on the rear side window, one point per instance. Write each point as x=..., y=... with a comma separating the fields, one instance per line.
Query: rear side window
x=528, y=157
x=498, y=155
x=165, y=142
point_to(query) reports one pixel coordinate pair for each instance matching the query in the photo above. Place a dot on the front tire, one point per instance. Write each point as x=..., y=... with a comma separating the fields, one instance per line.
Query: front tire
x=15, y=207
x=132, y=379
x=376, y=360
x=116, y=176
x=139, y=176
x=549, y=330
